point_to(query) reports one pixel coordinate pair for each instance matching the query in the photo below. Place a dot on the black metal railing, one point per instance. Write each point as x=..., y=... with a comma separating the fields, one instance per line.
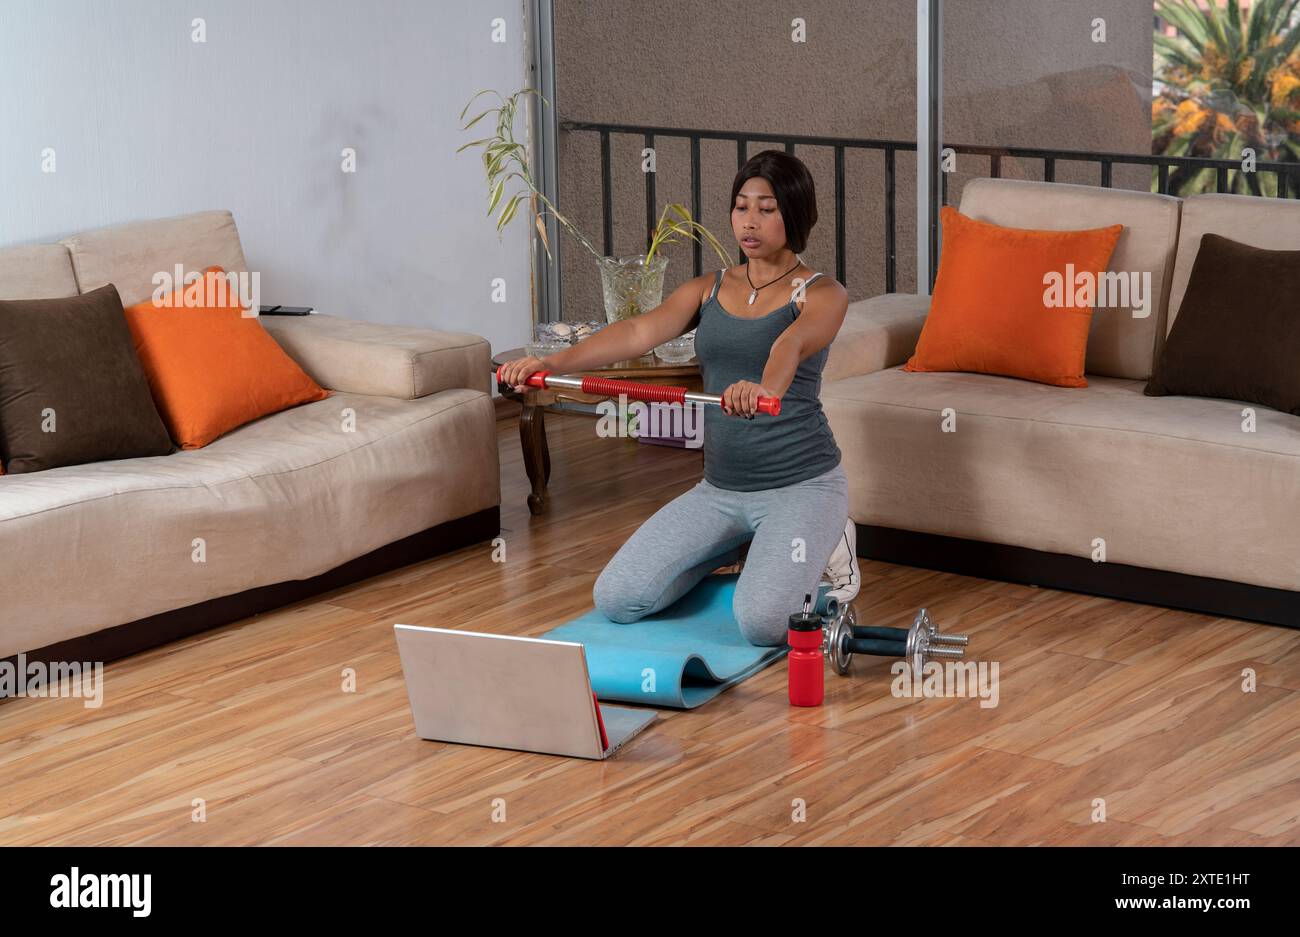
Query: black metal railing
x=1288, y=174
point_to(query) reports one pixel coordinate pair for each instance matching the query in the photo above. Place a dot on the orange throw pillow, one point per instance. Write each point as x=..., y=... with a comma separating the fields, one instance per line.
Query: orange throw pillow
x=211, y=369
x=994, y=310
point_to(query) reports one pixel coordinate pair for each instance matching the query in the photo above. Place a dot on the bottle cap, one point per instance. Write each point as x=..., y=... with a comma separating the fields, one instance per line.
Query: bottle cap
x=806, y=620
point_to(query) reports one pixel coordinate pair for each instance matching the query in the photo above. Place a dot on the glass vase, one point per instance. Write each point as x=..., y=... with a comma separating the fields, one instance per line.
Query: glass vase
x=631, y=286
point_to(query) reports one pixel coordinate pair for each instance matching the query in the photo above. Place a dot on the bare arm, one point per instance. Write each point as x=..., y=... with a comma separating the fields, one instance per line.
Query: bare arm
x=823, y=314
x=637, y=336
x=816, y=327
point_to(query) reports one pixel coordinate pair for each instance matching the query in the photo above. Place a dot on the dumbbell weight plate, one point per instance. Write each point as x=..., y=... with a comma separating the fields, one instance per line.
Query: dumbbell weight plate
x=923, y=619
x=918, y=641
x=835, y=640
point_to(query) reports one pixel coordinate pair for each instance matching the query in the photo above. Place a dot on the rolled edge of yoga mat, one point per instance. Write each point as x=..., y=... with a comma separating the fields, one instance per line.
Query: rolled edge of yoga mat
x=688, y=645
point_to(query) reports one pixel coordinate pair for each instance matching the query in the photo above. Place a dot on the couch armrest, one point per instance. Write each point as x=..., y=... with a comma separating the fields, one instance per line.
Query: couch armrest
x=356, y=357
x=877, y=333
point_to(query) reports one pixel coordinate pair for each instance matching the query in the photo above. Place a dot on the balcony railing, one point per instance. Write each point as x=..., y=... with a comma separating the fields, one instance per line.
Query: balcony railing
x=1288, y=174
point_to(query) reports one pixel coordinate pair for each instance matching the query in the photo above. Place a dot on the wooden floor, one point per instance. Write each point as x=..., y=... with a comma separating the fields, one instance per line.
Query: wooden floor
x=1139, y=707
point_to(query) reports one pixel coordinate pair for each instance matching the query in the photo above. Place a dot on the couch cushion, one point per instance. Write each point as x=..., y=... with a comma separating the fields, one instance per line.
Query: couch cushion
x=130, y=255
x=36, y=271
x=375, y=358
x=285, y=497
x=879, y=332
x=991, y=311
x=1119, y=345
x=72, y=359
x=1238, y=333
x=1052, y=468
x=210, y=368
x=1271, y=223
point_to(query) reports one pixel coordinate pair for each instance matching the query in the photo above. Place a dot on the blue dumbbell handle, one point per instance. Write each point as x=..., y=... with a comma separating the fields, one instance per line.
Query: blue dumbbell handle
x=875, y=646
x=884, y=634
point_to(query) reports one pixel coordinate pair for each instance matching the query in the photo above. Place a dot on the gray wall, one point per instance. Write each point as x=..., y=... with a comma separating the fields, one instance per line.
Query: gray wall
x=1017, y=72
x=146, y=123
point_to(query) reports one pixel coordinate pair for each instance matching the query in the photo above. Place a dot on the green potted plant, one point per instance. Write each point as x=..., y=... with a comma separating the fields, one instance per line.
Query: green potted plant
x=1229, y=80
x=631, y=285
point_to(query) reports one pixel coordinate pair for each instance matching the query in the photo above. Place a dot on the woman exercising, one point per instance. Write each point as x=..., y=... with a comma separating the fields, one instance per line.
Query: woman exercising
x=762, y=330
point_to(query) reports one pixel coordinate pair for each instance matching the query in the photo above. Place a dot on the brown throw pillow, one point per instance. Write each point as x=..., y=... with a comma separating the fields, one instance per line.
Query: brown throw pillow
x=71, y=387
x=1237, y=335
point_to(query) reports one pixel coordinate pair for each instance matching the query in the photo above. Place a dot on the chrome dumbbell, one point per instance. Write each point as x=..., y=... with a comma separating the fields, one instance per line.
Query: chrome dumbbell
x=843, y=637
x=937, y=637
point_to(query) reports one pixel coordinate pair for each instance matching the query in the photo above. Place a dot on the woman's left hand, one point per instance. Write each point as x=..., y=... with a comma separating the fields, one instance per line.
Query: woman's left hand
x=741, y=398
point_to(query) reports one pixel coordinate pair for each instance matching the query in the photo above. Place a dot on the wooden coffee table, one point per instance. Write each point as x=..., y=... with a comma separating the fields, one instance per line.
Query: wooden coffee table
x=532, y=420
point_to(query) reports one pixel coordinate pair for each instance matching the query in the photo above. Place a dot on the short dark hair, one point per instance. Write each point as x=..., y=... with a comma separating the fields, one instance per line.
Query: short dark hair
x=792, y=184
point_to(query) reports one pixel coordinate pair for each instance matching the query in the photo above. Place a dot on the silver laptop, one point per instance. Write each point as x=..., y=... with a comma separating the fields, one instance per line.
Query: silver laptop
x=509, y=692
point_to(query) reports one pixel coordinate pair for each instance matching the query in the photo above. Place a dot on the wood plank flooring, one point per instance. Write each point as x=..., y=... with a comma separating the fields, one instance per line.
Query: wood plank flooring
x=1099, y=701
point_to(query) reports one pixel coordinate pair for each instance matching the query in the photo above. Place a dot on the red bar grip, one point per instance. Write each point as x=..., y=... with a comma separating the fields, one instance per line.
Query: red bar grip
x=659, y=393
x=655, y=393
x=536, y=379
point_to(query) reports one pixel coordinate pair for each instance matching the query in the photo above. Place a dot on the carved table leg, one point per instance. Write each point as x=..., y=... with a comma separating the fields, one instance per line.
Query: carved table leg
x=537, y=459
x=546, y=450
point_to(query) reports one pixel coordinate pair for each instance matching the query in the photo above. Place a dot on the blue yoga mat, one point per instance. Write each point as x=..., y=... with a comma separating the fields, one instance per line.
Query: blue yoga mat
x=693, y=649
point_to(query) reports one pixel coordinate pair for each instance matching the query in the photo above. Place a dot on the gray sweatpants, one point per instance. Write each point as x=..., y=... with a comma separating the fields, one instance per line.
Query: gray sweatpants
x=794, y=529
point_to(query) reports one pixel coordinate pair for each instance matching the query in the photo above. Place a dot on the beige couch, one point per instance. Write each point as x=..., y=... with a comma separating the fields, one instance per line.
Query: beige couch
x=1193, y=511
x=103, y=555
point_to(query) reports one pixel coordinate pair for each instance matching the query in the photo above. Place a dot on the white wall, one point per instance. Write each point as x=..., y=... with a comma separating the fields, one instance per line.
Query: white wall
x=146, y=123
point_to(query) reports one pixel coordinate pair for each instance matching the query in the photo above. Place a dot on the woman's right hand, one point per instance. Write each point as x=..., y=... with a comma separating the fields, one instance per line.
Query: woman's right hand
x=514, y=373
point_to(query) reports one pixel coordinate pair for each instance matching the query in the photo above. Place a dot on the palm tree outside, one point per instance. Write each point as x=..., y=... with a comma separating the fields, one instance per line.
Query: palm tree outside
x=1227, y=79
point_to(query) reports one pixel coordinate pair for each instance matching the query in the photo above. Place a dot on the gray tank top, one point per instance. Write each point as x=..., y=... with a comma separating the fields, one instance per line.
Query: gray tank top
x=767, y=451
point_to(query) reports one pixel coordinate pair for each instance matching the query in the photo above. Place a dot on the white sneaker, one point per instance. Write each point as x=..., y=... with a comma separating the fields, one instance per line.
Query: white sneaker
x=842, y=568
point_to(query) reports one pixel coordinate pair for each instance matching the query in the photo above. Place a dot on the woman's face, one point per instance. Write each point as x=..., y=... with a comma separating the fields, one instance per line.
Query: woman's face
x=756, y=220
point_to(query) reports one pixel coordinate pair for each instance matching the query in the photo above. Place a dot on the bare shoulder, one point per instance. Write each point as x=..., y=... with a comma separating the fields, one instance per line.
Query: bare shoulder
x=703, y=284
x=826, y=285
x=688, y=296
x=825, y=292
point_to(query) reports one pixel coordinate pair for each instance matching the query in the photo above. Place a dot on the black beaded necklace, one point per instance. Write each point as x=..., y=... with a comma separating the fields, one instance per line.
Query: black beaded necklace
x=753, y=290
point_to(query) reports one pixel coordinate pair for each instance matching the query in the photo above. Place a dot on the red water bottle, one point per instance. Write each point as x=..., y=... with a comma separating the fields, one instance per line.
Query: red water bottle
x=805, y=678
